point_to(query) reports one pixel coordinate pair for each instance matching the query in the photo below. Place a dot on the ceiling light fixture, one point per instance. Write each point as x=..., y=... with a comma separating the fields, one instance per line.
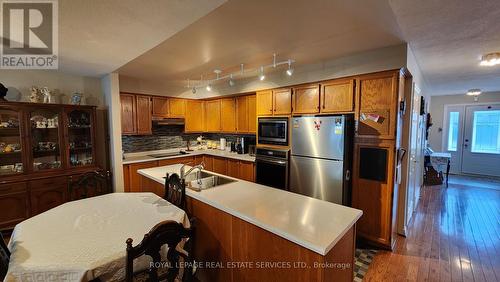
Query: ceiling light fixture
x=475, y=93
x=262, y=76
x=289, y=71
x=490, y=59
x=208, y=83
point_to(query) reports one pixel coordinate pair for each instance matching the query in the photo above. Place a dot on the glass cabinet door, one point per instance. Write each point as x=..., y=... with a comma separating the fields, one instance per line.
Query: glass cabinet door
x=46, y=149
x=11, y=158
x=80, y=138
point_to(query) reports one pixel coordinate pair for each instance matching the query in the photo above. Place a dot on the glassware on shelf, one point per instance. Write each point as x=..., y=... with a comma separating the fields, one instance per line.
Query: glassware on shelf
x=11, y=158
x=45, y=140
x=80, y=138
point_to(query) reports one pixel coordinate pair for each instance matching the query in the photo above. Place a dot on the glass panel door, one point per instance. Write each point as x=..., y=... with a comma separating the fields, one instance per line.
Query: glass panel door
x=80, y=138
x=486, y=132
x=453, y=122
x=11, y=154
x=45, y=141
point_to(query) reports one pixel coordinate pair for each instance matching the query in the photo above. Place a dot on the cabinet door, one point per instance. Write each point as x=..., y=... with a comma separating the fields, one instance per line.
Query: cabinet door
x=252, y=114
x=126, y=178
x=265, y=103
x=282, y=101
x=247, y=171
x=212, y=115
x=198, y=159
x=306, y=99
x=219, y=165
x=228, y=115
x=160, y=107
x=194, y=116
x=135, y=178
x=12, y=138
x=143, y=114
x=377, y=105
x=79, y=134
x=337, y=96
x=209, y=162
x=128, y=117
x=233, y=168
x=15, y=204
x=242, y=114
x=48, y=193
x=177, y=107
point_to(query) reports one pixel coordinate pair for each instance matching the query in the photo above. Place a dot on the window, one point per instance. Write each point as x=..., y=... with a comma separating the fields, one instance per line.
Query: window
x=486, y=132
x=453, y=131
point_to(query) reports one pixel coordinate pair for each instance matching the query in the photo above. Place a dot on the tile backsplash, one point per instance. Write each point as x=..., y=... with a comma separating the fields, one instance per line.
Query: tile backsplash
x=167, y=137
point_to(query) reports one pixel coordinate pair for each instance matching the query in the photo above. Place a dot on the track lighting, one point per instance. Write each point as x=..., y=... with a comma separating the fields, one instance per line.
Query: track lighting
x=490, y=59
x=207, y=83
x=289, y=71
x=262, y=76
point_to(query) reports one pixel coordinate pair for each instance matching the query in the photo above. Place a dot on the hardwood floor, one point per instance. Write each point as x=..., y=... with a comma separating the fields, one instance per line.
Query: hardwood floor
x=454, y=236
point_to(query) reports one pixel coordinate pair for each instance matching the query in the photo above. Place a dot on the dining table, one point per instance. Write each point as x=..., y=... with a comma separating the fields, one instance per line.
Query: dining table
x=85, y=239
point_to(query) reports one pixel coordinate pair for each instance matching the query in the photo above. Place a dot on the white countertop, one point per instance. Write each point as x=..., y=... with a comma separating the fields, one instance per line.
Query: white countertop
x=140, y=157
x=314, y=224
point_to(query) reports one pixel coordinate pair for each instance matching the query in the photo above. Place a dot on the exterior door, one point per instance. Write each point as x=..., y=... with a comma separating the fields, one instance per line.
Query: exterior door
x=453, y=135
x=481, y=142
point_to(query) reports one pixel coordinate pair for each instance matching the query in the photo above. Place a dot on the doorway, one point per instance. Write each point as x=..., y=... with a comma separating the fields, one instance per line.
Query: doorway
x=472, y=136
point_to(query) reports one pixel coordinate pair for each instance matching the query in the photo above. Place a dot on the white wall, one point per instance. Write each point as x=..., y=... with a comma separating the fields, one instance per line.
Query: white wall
x=64, y=85
x=111, y=89
x=393, y=57
x=437, y=112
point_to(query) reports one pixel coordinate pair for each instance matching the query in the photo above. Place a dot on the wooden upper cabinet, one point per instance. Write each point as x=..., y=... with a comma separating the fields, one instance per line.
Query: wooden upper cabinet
x=128, y=113
x=194, y=116
x=242, y=114
x=228, y=115
x=282, y=101
x=252, y=113
x=306, y=99
x=143, y=114
x=213, y=115
x=377, y=94
x=265, y=103
x=337, y=96
x=160, y=107
x=176, y=107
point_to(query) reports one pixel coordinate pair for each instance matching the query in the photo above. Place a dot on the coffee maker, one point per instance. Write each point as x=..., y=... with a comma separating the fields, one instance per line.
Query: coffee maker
x=243, y=143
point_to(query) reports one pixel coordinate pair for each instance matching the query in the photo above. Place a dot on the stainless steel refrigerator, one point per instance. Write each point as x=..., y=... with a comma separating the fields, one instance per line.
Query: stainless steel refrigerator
x=320, y=157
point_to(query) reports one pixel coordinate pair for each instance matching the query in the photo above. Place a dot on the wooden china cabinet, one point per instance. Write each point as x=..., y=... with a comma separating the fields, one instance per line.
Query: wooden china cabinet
x=42, y=146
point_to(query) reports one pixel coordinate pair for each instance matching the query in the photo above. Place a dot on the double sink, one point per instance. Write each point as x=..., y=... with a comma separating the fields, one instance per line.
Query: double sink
x=201, y=180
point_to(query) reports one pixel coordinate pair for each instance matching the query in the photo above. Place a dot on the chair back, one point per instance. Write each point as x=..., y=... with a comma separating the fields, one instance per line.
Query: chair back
x=4, y=258
x=168, y=233
x=175, y=190
x=90, y=184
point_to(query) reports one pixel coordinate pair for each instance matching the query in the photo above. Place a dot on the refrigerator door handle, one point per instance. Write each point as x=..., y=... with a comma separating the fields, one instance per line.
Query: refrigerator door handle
x=347, y=175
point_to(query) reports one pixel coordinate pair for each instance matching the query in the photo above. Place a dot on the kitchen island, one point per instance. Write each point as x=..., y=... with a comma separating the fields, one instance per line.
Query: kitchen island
x=249, y=232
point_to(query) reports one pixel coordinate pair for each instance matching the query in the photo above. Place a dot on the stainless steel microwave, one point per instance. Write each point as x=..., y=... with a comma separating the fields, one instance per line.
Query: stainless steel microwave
x=273, y=131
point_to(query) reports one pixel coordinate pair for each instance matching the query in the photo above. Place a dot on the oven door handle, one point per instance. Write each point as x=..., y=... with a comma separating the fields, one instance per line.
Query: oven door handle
x=271, y=161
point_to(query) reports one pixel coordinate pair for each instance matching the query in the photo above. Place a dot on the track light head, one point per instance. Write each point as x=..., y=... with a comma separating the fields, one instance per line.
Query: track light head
x=231, y=81
x=289, y=71
x=209, y=87
x=262, y=76
x=193, y=90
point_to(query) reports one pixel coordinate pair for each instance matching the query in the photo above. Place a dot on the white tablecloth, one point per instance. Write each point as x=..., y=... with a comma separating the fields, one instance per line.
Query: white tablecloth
x=85, y=239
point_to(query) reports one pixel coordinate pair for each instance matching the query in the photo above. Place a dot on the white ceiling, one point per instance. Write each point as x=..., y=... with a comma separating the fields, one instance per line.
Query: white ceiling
x=251, y=31
x=448, y=37
x=98, y=36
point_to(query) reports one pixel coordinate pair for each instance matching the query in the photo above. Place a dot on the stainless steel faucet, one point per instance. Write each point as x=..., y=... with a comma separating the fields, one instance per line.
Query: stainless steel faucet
x=200, y=167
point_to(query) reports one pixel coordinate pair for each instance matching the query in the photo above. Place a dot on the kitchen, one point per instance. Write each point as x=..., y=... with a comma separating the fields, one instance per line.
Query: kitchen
x=245, y=141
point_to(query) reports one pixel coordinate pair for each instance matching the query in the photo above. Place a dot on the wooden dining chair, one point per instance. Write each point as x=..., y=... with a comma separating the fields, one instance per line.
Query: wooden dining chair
x=168, y=233
x=90, y=184
x=175, y=191
x=4, y=258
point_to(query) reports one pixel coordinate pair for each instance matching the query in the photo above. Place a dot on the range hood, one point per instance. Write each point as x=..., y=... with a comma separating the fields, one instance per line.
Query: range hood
x=168, y=121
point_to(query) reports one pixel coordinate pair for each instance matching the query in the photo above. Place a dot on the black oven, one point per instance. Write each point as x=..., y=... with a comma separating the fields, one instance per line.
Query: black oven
x=273, y=131
x=271, y=167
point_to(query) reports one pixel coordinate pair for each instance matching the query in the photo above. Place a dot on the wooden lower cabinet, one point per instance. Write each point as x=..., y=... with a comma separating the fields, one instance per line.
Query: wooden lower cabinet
x=48, y=193
x=233, y=168
x=209, y=162
x=372, y=191
x=219, y=165
x=14, y=203
x=246, y=171
x=184, y=160
x=134, y=177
